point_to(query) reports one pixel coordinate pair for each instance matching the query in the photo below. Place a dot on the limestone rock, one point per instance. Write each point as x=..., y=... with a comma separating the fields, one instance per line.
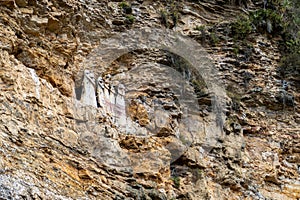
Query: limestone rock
x=143, y=126
x=21, y=3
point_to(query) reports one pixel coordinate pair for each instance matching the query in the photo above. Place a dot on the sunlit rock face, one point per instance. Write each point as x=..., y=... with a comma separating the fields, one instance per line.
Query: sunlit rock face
x=153, y=111
x=145, y=125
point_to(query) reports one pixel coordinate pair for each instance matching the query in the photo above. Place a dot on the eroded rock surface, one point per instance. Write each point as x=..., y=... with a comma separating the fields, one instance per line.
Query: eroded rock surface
x=72, y=128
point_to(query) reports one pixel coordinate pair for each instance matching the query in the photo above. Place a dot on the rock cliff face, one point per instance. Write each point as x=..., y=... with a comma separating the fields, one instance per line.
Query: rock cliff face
x=143, y=100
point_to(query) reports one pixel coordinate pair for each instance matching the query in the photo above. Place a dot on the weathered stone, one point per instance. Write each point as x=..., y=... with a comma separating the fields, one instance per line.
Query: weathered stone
x=38, y=20
x=26, y=10
x=118, y=22
x=21, y=3
x=8, y=3
x=84, y=174
x=53, y=24
x=55, y=147
x=138, y=112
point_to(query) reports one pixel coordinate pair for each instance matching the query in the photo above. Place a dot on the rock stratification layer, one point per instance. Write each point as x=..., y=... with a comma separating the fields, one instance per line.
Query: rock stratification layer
x=146, y=126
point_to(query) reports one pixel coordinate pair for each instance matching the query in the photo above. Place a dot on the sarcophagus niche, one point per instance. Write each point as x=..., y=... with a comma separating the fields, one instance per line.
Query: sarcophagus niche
x=109, y=98
x=88, y=96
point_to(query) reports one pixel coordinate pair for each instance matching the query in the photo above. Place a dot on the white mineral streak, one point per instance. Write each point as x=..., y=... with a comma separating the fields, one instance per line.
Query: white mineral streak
x=36, y=80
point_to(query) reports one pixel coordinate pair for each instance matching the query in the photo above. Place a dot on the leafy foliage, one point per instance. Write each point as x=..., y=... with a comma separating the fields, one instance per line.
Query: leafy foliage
x=242, y=28
x=169, y=16
x=199, y=28
x=176, y=181
x=214, y=38
x=276, y=18
x=130, y=18
x=126, y=7
x=290, y=63
x=164, y=18
x=267, y=20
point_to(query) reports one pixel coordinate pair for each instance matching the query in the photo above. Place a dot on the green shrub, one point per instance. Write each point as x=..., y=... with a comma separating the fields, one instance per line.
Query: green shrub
x=126, y=7
x=124, y=4
x=199, y=86
x=199, y=28
x=197, y=174
x=214, y=39
x=176, y=181
x=242, y=28
x=278, y=18
x=130, y=18
x=290, y=62
x=236, y=50
x=267, y=20
x=175, y=17
x=164, y=18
